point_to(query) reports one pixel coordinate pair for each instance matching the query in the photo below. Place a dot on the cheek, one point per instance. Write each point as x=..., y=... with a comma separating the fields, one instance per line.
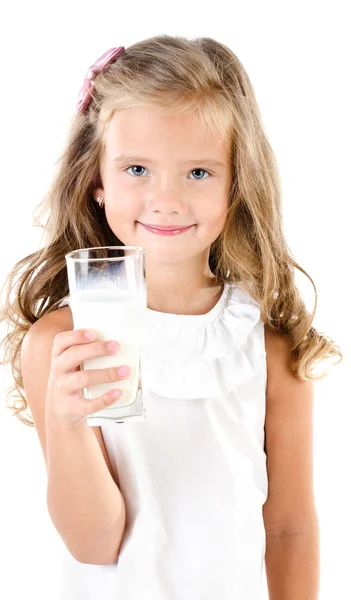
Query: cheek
x=213, y=223
x=123, y=201
x=213, y=214
x=123, y=209
x=120, y=216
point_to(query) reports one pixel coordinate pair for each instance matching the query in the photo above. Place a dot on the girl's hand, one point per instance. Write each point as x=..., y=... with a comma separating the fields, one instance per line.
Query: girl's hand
x=64, y=398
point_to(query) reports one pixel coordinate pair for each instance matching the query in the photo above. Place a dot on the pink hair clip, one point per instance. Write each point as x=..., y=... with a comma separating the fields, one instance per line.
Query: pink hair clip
x=86, y=90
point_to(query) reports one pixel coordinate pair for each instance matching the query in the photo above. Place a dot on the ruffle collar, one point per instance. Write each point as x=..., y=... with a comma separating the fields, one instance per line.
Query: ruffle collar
x=204, y=356
x=203, y=337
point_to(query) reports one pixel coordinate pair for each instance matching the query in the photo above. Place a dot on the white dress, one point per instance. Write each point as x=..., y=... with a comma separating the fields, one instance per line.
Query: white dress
x=193, y=474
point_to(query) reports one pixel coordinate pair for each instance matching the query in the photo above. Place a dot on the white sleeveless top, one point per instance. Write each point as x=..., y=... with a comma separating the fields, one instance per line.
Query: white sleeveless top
x=193, y=474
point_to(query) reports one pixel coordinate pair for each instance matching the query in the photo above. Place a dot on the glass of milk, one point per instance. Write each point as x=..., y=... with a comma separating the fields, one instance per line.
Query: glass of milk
x=107, y=289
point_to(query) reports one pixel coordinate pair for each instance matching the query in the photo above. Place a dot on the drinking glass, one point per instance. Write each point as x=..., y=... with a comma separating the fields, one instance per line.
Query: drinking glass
x=107, y=289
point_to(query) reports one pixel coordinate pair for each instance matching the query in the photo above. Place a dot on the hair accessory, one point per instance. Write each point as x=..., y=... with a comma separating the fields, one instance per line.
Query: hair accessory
x=86, y=90
x=100, y=200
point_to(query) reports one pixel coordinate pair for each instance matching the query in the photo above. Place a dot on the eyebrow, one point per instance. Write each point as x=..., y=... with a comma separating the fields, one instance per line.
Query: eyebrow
x=139, y=159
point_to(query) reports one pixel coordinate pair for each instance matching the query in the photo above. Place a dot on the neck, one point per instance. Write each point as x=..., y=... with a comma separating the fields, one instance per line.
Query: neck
x=173, y=290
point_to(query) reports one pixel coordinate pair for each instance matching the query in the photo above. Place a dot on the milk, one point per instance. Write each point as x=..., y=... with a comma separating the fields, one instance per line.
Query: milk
x=114, y=315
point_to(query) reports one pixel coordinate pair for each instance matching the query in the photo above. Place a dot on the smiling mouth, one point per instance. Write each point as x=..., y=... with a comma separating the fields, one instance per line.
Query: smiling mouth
x=165, y=229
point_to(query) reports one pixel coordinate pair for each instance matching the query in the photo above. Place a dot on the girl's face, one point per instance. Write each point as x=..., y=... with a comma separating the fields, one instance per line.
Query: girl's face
x=159, y=169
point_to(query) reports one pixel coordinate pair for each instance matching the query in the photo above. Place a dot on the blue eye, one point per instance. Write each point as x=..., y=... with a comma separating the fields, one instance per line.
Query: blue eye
x=203, y=171
x=135, y=167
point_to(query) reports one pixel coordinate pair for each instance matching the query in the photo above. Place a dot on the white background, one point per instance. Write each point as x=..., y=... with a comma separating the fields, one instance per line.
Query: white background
x=298, y=58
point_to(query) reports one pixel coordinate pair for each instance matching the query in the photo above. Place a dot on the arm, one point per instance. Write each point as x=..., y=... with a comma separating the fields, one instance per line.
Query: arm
x=290, y=516
x=84, y=502
x=292, y=565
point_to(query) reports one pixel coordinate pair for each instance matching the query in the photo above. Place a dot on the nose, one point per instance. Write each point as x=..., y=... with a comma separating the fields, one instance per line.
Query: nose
x=167, y=197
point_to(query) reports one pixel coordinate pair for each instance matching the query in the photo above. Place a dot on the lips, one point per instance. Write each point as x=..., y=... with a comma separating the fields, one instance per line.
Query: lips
x=166, y=230
x=166, y=227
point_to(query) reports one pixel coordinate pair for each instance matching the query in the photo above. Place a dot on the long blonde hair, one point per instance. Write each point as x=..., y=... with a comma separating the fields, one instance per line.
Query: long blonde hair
x=204, y=78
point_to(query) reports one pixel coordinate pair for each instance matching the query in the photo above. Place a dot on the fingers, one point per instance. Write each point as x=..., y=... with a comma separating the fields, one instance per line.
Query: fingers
x=89, y=407
x=71, y=348
x=65, y=339
x=83, y=379
x=65, y=397
x=72, y=410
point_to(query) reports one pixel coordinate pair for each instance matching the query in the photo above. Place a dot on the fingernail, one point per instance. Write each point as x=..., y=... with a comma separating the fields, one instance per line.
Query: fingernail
x=123, y=371
x=89, y=334
x=112, y=346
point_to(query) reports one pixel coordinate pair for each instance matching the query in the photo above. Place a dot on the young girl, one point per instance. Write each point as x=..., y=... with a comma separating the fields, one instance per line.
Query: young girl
x=218, y=480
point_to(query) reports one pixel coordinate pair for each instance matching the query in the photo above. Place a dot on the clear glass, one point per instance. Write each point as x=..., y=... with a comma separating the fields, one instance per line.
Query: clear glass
x=107, y=287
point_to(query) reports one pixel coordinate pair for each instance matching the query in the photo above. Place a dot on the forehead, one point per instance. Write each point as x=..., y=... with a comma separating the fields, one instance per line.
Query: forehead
x=141, y=128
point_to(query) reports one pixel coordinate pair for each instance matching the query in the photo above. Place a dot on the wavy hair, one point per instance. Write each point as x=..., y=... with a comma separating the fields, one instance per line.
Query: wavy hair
x=204, y=78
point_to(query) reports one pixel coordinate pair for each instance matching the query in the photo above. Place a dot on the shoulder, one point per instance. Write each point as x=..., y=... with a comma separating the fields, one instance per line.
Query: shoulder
x=40, y=336
x=285, y=393
x=56, y=321
x=276, y=343
x=280, y=362
x=38, y=341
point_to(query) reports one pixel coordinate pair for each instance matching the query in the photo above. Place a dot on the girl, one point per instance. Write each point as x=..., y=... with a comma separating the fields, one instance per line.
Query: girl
x=218, y=480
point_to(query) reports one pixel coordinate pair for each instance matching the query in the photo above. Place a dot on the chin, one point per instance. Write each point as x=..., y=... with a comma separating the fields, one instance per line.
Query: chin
x=163, y=256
